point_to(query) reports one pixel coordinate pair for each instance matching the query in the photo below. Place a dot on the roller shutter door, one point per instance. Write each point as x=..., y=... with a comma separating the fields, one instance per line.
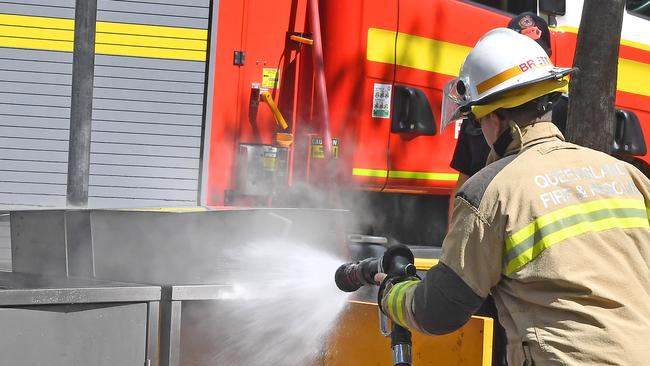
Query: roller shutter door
x=35, y=89
x=148, y=97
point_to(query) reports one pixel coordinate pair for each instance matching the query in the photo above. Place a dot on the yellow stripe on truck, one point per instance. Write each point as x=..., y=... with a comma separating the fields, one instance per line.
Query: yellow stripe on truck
x=633, y=76
x=424, y=54
x=404, y=174
x=624, y=42
x=139, y=40
x=414, y=51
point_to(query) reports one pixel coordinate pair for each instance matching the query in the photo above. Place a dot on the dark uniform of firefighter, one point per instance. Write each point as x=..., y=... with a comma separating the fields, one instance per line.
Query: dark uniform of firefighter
x=557, y=233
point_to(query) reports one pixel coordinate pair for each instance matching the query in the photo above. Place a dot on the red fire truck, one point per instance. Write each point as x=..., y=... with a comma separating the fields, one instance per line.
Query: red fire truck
x=377, y=96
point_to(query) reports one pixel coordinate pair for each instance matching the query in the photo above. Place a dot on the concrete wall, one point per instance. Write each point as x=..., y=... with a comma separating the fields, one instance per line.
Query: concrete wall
x=5, y=242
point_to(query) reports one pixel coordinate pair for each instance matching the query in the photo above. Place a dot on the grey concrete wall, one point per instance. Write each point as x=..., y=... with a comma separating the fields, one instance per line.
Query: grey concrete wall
x=5, y=243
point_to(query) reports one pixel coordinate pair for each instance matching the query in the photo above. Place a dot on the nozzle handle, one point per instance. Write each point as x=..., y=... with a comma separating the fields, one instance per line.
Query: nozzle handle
x=384, y=329
x=400, y=343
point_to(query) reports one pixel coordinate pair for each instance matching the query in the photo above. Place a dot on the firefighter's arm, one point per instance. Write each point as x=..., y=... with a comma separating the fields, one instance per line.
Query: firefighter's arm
x=456, y=287
x=439, y=304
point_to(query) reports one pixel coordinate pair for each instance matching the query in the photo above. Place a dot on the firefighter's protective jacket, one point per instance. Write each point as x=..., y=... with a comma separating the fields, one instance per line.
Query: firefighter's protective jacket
x=559, y=235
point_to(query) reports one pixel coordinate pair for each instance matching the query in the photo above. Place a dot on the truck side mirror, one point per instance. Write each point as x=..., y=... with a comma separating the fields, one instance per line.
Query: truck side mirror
x=412, y=112
x=552, y=7
x=628, y=136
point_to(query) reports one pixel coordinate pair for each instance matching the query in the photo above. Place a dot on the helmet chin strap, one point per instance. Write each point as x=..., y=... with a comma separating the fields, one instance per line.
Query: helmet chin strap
x=544, y=104
x=515, y=131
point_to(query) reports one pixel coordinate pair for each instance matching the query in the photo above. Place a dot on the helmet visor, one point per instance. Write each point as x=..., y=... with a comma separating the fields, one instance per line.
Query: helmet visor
x=454, y=96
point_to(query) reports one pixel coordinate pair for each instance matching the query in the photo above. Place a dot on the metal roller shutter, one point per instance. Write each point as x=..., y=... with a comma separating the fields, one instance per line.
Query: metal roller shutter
x=148, y=100
x=35, y=89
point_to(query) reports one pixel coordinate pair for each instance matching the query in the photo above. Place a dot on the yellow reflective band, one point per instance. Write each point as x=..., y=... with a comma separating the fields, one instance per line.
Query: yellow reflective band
x=584, y=208
x=369, y=172
x=498, y=79
x=575, y=230
x=423, y=175
x=404, y=174
x=416, y=52
x=392, y=308
x=396, y=301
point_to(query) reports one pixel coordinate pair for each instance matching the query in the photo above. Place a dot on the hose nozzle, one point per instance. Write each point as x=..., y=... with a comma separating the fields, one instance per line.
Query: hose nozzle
x=349, y=277
x=396, y=261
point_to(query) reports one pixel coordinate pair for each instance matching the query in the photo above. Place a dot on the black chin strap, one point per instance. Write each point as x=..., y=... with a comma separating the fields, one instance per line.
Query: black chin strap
x=502, y=142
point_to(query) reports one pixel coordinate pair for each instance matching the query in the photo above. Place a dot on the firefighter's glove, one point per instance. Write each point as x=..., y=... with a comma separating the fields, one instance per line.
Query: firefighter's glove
x=396, y=300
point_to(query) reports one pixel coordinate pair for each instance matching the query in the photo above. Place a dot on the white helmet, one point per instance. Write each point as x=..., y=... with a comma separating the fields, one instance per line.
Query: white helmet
x=505, y=69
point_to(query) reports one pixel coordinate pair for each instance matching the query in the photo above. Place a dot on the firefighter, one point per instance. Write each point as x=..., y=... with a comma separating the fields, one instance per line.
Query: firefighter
x=472, y=150
x=557, y=233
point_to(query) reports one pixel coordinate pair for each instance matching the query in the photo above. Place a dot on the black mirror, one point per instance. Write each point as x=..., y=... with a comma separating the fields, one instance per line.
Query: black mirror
x=412, y=112
x=552, y=7
x=628, y=136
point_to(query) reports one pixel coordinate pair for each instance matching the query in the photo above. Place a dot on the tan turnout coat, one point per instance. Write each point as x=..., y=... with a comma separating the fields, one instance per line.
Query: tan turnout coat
x=559, y=236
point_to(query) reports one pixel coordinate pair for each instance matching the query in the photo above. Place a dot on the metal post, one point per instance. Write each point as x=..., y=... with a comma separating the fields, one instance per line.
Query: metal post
x=81, y=103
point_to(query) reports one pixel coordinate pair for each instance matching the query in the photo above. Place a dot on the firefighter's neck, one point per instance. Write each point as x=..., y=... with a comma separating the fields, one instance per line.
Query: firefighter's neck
x=493, y=127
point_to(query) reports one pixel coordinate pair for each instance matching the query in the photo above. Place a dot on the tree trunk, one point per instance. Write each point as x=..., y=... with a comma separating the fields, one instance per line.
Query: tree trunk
x=592, y=91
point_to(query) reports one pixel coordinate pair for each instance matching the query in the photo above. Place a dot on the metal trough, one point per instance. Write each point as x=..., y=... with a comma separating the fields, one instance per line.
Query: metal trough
x=181, y=251
x=69, y=321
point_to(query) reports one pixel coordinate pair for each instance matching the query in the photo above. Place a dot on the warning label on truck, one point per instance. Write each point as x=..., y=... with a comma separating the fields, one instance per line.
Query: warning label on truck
x=270, y=158
x=381, y=101
x=270, y=78
x=318, y=150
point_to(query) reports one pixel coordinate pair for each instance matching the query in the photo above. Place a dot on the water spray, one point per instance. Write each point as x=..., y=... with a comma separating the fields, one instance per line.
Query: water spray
x=397, y=263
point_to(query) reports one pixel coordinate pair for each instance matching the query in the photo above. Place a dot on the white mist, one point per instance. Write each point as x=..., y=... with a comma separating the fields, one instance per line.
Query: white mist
x=283, y=305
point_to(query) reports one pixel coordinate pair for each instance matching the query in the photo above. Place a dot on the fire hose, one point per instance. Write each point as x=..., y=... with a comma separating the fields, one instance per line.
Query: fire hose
x=397, y=263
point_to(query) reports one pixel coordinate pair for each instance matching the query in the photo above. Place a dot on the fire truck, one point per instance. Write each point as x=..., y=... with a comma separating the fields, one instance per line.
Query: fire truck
x=376, y=97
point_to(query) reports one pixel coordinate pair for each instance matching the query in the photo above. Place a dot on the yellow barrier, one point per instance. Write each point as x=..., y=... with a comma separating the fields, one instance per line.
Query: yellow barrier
x=356, y=341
